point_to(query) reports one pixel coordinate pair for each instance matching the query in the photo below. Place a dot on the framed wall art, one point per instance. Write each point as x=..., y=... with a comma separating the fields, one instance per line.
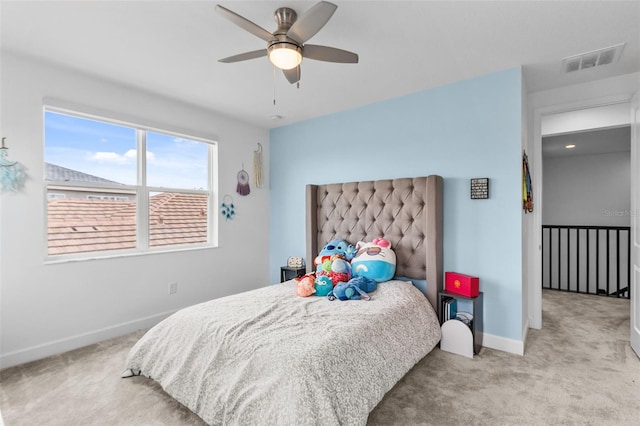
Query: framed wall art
x=479, y=188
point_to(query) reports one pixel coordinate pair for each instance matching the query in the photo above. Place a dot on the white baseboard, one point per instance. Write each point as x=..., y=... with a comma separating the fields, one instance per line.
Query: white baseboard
x=79, y=340
x=503, y=344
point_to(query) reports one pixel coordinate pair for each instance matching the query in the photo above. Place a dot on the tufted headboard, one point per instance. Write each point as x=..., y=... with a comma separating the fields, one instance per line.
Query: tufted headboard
x=407, y=212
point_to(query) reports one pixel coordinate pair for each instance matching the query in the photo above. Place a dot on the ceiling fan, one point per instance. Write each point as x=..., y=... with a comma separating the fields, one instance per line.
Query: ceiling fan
x=286, y=45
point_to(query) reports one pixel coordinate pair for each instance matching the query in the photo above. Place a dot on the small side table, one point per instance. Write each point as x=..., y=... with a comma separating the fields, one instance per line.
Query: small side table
x=289, y=273
x=476, y=324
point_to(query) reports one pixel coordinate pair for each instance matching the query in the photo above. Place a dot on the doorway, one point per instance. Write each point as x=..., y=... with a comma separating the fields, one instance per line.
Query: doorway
x=578, y=116
x=586, y=207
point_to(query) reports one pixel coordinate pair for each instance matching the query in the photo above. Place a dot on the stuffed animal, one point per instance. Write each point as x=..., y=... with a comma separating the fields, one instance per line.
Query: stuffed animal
x=323, y=285
x=353, y=290
x=365, y=284
x=337, y=246
x=305, y=285
x=350, y=252
x=374, y=260
x=336, y=268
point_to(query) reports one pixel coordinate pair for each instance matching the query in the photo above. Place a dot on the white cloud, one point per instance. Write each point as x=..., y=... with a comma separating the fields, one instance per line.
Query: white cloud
x=110, y=157
x=128, y=157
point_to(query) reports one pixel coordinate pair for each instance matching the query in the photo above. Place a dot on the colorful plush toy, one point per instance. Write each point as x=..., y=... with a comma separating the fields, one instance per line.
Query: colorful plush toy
x=323, y=285
x=337, y=246
x=305, y=285
x=353, y=290
x=336, y=268
x=374, y=260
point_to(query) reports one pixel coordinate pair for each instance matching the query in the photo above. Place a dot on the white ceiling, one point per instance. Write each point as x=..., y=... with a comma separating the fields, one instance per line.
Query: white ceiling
x=592, y=142
x=172, y=48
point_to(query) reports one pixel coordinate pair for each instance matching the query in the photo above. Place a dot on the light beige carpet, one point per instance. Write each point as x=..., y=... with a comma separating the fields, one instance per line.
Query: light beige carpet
x=577, y=370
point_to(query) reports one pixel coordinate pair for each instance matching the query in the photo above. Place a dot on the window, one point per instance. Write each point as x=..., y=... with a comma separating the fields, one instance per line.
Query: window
x=113, y=187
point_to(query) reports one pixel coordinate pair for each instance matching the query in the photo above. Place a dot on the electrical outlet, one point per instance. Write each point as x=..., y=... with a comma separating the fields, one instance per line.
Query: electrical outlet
x=173, y=287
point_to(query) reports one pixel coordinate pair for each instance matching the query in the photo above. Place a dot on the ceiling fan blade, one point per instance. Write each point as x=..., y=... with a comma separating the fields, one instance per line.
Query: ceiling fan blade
x=329, y=54
x=244, y=23
x=311, y=21
x=244, y=56
x=293, y=75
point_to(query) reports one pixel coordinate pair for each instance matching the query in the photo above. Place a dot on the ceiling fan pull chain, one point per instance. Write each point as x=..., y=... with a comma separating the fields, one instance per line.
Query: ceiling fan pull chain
x=274, y=86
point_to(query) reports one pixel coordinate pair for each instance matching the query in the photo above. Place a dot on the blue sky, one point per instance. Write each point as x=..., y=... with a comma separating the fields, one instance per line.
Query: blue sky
x=109, y=151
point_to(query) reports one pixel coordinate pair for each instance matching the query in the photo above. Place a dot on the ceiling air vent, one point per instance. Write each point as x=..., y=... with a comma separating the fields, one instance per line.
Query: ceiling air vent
x=593, y=59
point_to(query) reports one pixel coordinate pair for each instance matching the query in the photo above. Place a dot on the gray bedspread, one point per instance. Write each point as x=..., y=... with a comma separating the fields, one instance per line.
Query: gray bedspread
x=270, y=357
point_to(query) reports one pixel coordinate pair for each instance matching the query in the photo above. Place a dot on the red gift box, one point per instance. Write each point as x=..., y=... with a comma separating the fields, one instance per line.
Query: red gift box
x=464, y=285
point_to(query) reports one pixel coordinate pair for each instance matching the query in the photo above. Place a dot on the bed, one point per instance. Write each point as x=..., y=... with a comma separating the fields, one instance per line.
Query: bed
x=269, y=357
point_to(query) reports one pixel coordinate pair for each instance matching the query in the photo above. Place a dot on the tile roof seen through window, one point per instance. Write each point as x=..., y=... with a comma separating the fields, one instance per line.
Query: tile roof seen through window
x=79, y=225
x=54, y=172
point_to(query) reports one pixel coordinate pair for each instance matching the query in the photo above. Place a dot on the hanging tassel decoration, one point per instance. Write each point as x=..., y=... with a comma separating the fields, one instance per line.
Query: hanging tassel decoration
x=243, y=182
x=257, y=167
x=12, y=174
x=228, y=210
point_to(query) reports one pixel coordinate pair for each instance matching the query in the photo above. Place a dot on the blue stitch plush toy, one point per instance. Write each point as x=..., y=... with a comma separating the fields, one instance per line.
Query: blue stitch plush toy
x=350, y=252
x=356, y=289
x=365, y=284
x=337, y=246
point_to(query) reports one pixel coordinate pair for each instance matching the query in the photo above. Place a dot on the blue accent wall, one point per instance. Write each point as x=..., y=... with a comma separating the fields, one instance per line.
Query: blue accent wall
x=464, y=130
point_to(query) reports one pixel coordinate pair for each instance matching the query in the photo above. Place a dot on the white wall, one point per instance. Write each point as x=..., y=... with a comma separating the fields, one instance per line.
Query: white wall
x=584, y=95
x=587, y=190
x=586, y=119
x=49, y=308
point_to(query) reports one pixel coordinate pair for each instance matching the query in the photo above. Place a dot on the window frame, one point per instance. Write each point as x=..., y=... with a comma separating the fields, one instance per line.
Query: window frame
x=141, y=191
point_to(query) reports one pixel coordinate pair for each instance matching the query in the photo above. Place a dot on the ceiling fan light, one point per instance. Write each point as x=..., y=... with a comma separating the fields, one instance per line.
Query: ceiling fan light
x=285, y=56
